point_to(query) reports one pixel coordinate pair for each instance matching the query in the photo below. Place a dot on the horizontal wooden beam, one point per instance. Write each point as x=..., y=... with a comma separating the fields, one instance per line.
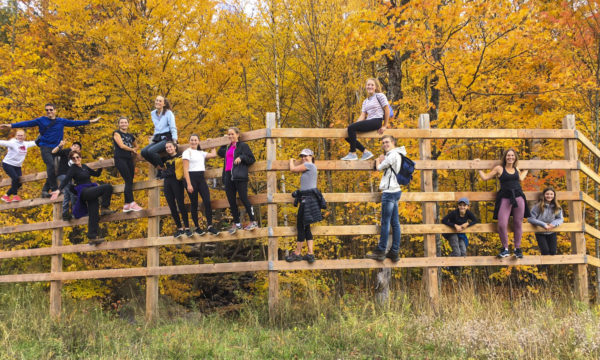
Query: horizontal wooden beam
x=592, y=231
x=589, y=172
x=594, y=261
x=590, y=201
x=588, y=144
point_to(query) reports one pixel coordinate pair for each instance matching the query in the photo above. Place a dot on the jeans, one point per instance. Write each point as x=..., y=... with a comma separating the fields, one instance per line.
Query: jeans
x=151, y=153
x=68, y=195
x=48, y=158
x=389, y=215
x=458, y=245
x=361, y=126
x=14, y=172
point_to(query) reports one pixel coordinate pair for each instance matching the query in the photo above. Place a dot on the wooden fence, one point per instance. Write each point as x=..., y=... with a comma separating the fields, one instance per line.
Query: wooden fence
x=576, y=226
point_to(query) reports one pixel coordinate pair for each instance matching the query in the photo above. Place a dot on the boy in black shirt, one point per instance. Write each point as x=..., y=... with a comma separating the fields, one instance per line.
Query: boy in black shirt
x=63, y=166
x=459, y=219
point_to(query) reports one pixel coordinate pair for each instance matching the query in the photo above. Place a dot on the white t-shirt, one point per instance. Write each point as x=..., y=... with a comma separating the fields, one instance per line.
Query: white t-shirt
x=17, y=150
x=196, y=158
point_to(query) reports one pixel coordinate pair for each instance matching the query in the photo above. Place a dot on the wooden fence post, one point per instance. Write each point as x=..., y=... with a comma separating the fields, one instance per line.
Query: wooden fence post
x=56, y=264
x=430, y=274
x=272, y=218
x=153, y=254
x=576, y=213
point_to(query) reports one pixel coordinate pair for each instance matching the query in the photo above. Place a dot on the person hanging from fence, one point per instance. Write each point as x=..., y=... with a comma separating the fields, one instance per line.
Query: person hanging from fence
x=510, y=200
x=194, y=165
x=12, y=162
x=459, y=219
x=547, y=214
x=237, y=158
x=51, y=129
x=88, y=195
x=390, y=163
x=125, y=153
x=165, y=130
x=310, y=201
x=173, y=190
x=374, y=115
x=64, y=162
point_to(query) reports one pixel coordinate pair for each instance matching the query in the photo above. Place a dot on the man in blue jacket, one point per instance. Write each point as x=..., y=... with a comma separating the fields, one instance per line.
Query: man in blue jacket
x=51, y=130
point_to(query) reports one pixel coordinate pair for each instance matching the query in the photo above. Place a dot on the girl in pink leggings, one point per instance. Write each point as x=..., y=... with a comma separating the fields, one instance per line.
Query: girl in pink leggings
x=510, y=200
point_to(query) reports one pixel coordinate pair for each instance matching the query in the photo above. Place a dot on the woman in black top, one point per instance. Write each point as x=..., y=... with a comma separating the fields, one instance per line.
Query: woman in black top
x=87, y=194
x=238, y=157
x=173, y=189
x=125, y=152
x=510, y=200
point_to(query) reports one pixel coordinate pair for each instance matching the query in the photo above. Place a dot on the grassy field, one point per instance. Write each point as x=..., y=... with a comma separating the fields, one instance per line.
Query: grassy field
x=478, y=324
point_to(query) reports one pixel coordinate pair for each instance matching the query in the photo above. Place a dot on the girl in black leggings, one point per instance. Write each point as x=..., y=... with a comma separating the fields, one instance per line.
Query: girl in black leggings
x=193, y=171
x=88, y=195
x=173, y=189
x=125, y=152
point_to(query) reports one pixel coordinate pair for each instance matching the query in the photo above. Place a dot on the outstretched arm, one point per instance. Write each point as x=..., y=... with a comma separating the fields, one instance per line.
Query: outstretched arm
x=496, y=171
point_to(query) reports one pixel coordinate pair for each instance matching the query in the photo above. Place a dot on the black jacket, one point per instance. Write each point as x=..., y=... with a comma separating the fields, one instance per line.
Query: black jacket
x=239, y=172
x=81, y=175
x=313, y=202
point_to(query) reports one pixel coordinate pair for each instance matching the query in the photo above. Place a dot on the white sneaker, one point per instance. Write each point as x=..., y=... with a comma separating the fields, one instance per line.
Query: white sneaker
x=366, y=155
x=350, y=157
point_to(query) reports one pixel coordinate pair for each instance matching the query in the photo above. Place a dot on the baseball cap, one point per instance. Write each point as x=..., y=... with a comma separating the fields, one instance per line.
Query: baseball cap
x=463, y=200
x=307, y=152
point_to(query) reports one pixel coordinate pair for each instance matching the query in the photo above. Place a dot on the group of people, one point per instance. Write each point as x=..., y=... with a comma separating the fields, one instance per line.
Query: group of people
x=185, y=173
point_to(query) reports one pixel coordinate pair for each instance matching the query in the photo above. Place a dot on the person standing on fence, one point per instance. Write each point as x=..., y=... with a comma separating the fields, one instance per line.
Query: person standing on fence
x=125, y=151
x=547, y=214
x=173, y=189
x=51, y=130
x=459, y=219
x=390, y=163
x=64, y=162
x=88, y=195
x=194, y=166
x=510, y=200
x=238, y=157
x=12, y=162
x=164, y=130
x=311, y=202
x=375, y=112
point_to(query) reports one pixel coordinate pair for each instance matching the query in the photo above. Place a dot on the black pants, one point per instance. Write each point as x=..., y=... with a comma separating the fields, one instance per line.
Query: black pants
x=91, y=196
x=50, y=184
x=199, y=184
x=241, y=188
x=361, y=126
x=152, y=151
x=546, y=243
x=126, y=167
x=173, y=190
x=15, y=173
x=303, y=230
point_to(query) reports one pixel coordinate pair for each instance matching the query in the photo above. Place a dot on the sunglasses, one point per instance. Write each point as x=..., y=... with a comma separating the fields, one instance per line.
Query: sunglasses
x=75, y=157
x=49, y=110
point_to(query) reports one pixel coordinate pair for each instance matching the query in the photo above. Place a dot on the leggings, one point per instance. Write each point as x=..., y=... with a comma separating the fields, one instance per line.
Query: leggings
x=361, y=126
x=241, y=187
x=15, y=173
x=546, y=243
x=173, y=190
x=304, y=232
x=90, y=196
x=199, y=184
x=126, y=168
x=517, y=213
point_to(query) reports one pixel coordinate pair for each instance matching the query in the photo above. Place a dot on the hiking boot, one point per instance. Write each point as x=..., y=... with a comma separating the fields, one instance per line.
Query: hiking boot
x=393, y=256
x=519, y=253
x=350, y=157
x=106, y=211
x=376, y=254
x=293, y=257
x=135, y=207
x=234, y=228
x=504, y=253
x=16, y=198
x=179, y=234
x=253, y=225
x=66, y=216
x=309, y=257
x=199, y=231
x=366, y=155
x=211, y=230
x=6, y=198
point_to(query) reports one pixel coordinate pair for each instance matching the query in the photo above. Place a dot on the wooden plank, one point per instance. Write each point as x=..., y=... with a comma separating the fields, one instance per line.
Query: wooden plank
x=153, y=254
x=590, y=201
x=589, y=172
x=594, y=261
x=590, y=230
x=588, y=144
x=56, y=263
x=273, y=244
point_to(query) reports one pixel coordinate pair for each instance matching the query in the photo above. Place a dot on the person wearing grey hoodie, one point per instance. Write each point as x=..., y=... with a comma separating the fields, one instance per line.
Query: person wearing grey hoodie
x=389, y=163
x=547, y=214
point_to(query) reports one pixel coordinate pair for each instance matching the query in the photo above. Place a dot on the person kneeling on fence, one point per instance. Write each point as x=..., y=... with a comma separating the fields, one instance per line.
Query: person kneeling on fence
x=311, y=202
x=390, y=163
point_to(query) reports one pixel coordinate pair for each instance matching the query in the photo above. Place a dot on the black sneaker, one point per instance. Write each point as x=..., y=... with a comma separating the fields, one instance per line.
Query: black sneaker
x=393, y=256
x=504, y=253
x=95, y=240
x=519, y=253
x=211, y=230
x=309, y=257
x=293, y=257
x=376, y=254
x=188, y=232
x=66, y=216
x=199, y=231
x=179, y=234
x=106, y=211
x=160, y=175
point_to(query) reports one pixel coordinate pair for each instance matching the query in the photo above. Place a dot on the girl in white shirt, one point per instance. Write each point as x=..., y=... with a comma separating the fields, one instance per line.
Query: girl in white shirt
x=17, y=150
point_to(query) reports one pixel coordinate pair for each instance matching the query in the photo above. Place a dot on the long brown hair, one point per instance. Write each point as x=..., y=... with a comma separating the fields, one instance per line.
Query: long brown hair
x=506, y=153
x=554, y=203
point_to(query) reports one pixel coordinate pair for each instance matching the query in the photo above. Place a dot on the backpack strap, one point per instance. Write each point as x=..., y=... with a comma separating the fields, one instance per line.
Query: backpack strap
x=380, y=105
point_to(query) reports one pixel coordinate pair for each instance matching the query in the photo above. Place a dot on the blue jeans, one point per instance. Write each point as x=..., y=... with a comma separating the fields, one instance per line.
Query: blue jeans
x=152, y=153
x=389, y=214
x=69, y=196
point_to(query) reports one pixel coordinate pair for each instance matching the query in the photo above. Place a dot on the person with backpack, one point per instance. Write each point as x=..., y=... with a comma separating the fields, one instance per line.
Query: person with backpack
x=12, y=162
x=125, y=151
x=375, y=115
x=390, y=163
x=173, y=190
x=165, y=130
x=64, y=163
x=51, y=130
x=547, y=214
x=459, y=219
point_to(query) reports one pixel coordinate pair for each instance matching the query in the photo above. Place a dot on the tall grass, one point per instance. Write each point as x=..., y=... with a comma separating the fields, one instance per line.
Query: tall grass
x=468, y=323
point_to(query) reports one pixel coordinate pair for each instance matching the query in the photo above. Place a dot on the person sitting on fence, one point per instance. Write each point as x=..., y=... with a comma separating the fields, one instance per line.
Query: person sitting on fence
x=173, y=190
x=164, y=130
x=375, y=112
x=12, y=162
x=390, y=164
x=547, y=214
x=87, y=194
x=64, y=162
x=311, y=202
x=510, y=200
x=193, y=170
x=125, y=152
x=459, y=219
x=51, y=130
x=237, y=158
